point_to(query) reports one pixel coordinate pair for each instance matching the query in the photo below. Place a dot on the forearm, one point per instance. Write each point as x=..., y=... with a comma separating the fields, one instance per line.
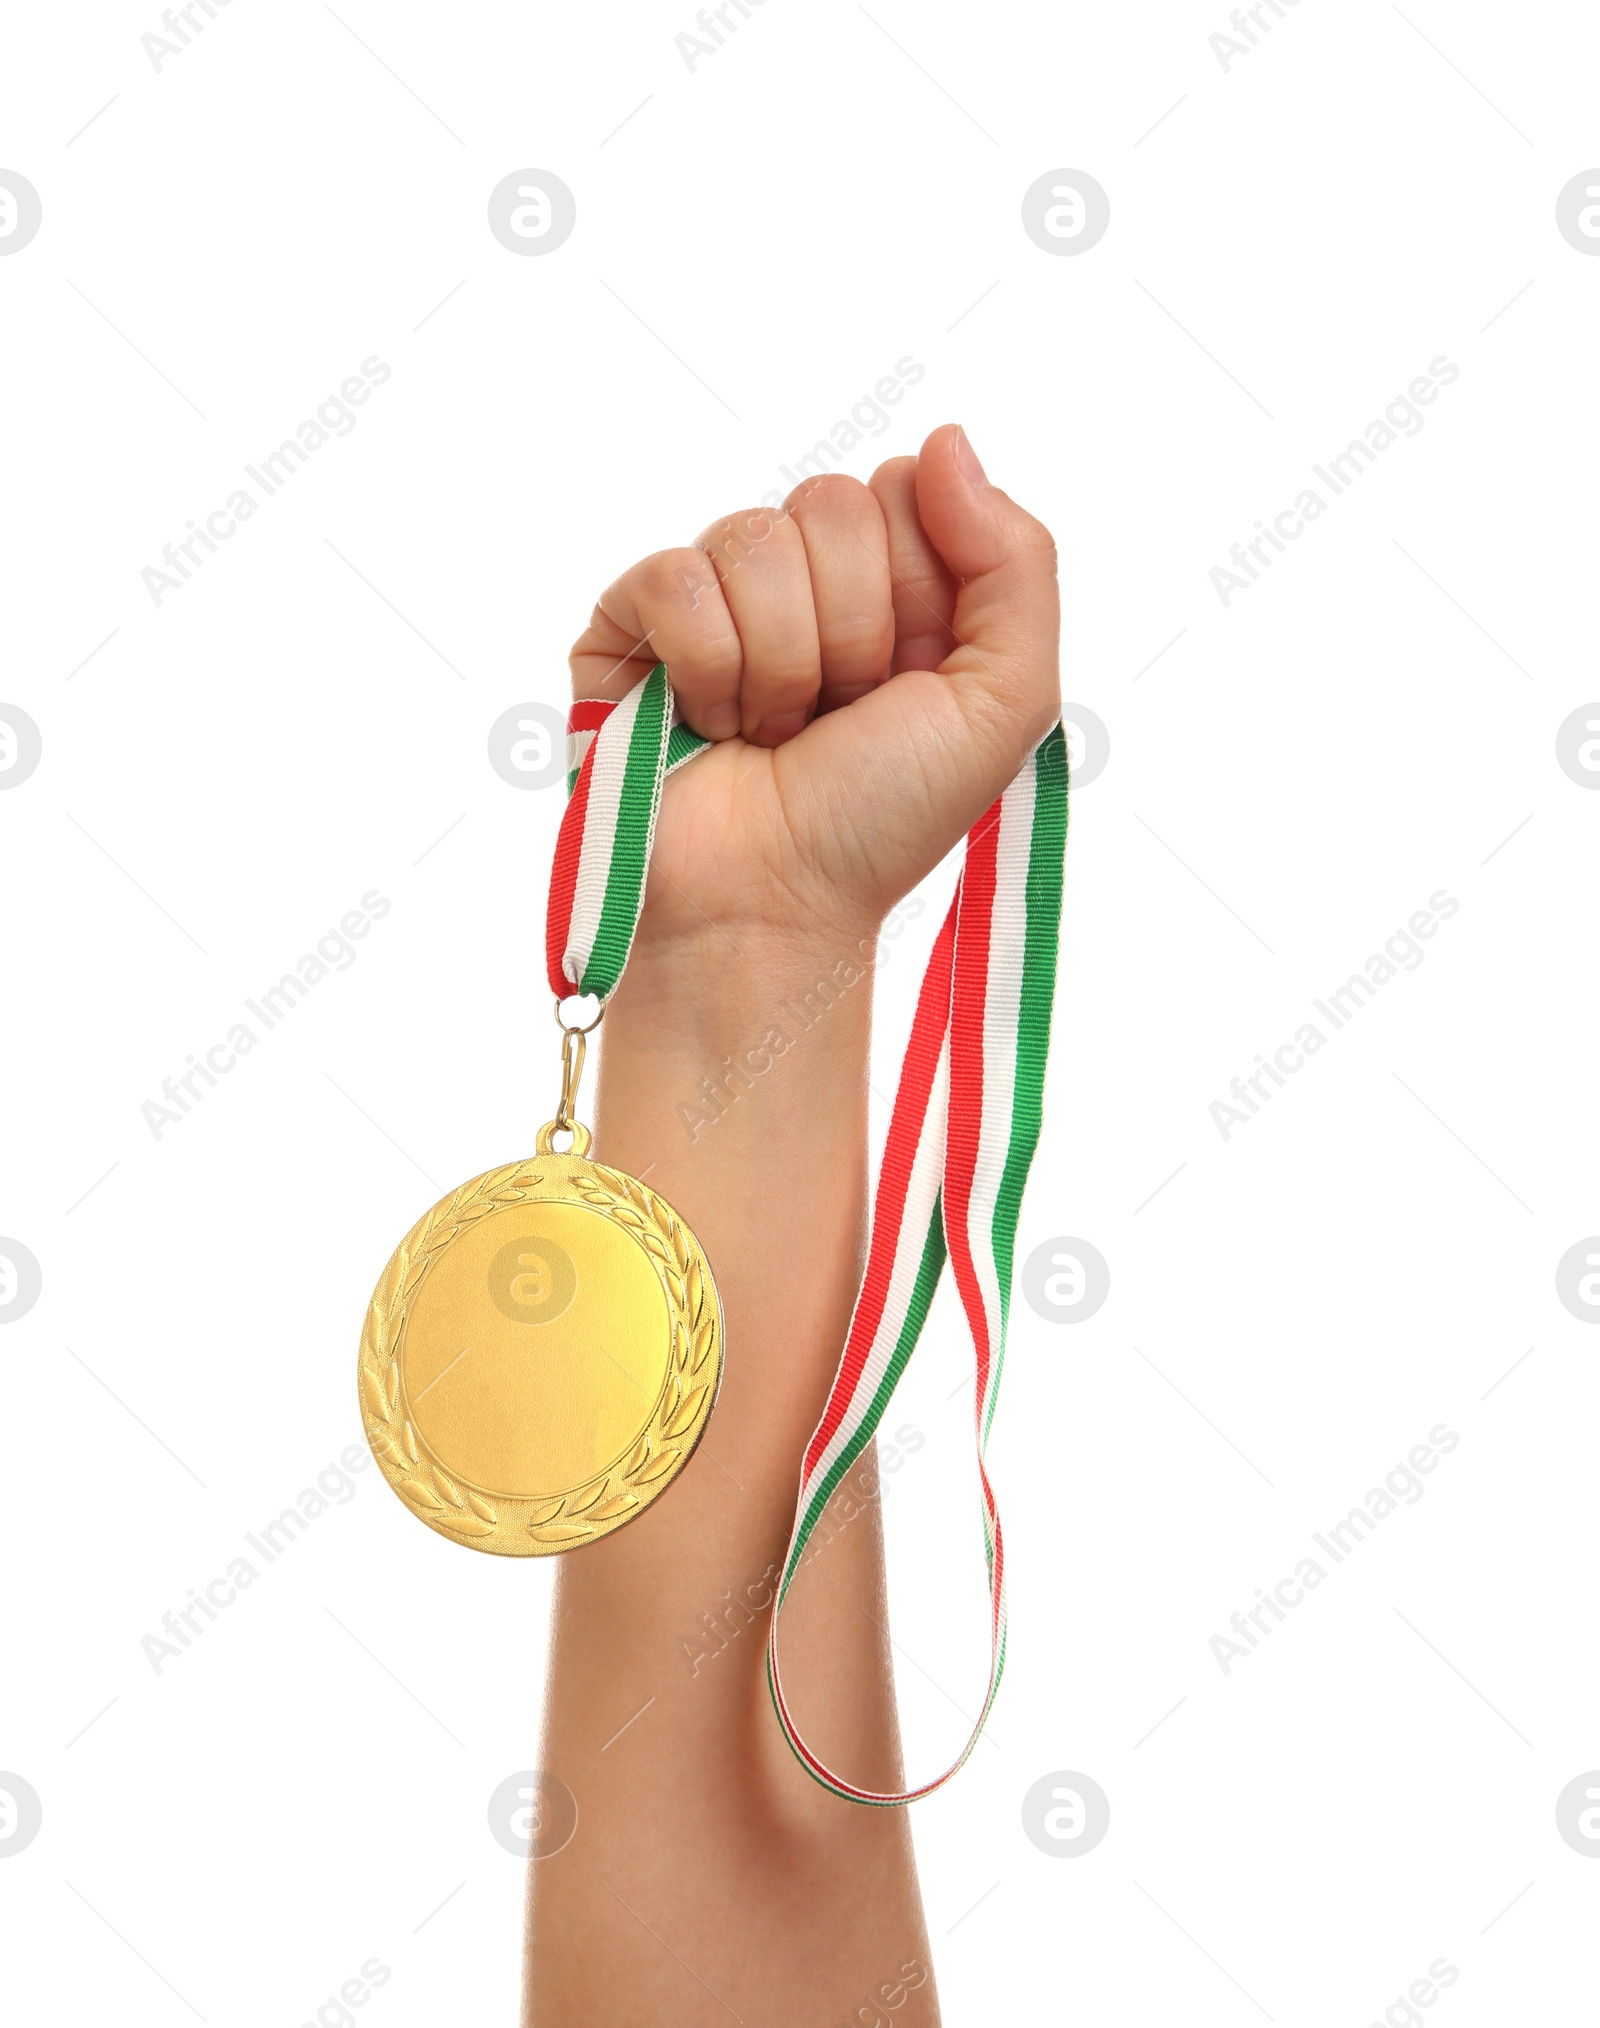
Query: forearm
x=741, y=1089
x=734, y=1082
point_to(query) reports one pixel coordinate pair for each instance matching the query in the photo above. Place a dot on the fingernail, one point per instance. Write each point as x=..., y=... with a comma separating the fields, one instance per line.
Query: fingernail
x=781, y=726
x=722, y=720
x=967, y=459
x=921, y=651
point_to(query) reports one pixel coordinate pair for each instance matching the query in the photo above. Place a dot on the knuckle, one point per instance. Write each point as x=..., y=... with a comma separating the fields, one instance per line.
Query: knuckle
x=787, y=683
x=829, y=492
x=919, y=593
x=709, y=671
x=736, y=536
x=583, y=644
x=894, y=471
x=1031, y=537
x=859, y=636
x=674, y=578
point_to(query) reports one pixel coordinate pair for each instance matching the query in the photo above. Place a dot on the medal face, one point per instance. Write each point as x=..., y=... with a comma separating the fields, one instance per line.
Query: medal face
x=540, y=1356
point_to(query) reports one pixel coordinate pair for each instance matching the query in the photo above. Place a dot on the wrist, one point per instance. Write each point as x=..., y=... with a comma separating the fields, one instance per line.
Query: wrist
x=711, y=981
x=767, y=1044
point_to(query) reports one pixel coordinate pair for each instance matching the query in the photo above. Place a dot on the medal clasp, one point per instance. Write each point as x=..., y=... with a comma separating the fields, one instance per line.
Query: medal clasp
x=574, y=1048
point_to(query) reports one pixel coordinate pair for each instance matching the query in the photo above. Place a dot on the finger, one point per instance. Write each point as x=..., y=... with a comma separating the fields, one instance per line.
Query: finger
x=760, y=560
x=669, y=608
x=847, y=552
x=1006, y=620
x=923, y=591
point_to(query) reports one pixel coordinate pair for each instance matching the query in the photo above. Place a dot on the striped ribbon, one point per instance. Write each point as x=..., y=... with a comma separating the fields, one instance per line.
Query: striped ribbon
x=966, y=1115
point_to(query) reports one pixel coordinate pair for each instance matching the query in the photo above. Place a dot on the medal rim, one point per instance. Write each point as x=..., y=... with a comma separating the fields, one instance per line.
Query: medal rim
x=520, y=1524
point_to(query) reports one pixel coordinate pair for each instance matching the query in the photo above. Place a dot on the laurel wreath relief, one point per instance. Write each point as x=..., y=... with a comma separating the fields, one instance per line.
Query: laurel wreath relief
x=591, y=1509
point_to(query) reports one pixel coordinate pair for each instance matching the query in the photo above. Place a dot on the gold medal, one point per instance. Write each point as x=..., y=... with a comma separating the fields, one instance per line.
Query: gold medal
x=543, y=1351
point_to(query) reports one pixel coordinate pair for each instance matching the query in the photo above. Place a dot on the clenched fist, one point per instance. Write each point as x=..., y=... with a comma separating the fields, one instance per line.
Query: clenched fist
x=873, y=662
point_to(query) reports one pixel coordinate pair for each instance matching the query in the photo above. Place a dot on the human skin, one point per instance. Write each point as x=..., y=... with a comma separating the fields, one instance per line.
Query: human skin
x=873, y=663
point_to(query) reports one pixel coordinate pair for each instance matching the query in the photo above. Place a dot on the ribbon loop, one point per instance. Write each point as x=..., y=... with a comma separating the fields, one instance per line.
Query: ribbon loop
x=966, y=1116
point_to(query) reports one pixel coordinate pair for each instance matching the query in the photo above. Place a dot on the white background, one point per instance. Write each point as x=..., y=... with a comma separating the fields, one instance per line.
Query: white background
x=230, y=771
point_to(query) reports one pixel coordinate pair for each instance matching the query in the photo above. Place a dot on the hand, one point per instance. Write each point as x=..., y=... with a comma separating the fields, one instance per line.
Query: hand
x=873, y=663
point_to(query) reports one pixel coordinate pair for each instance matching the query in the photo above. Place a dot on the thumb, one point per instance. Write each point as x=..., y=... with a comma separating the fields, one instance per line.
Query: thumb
x=1007, y=618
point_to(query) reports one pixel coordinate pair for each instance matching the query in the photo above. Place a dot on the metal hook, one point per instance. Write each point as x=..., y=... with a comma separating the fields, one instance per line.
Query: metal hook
x=573, y=1050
